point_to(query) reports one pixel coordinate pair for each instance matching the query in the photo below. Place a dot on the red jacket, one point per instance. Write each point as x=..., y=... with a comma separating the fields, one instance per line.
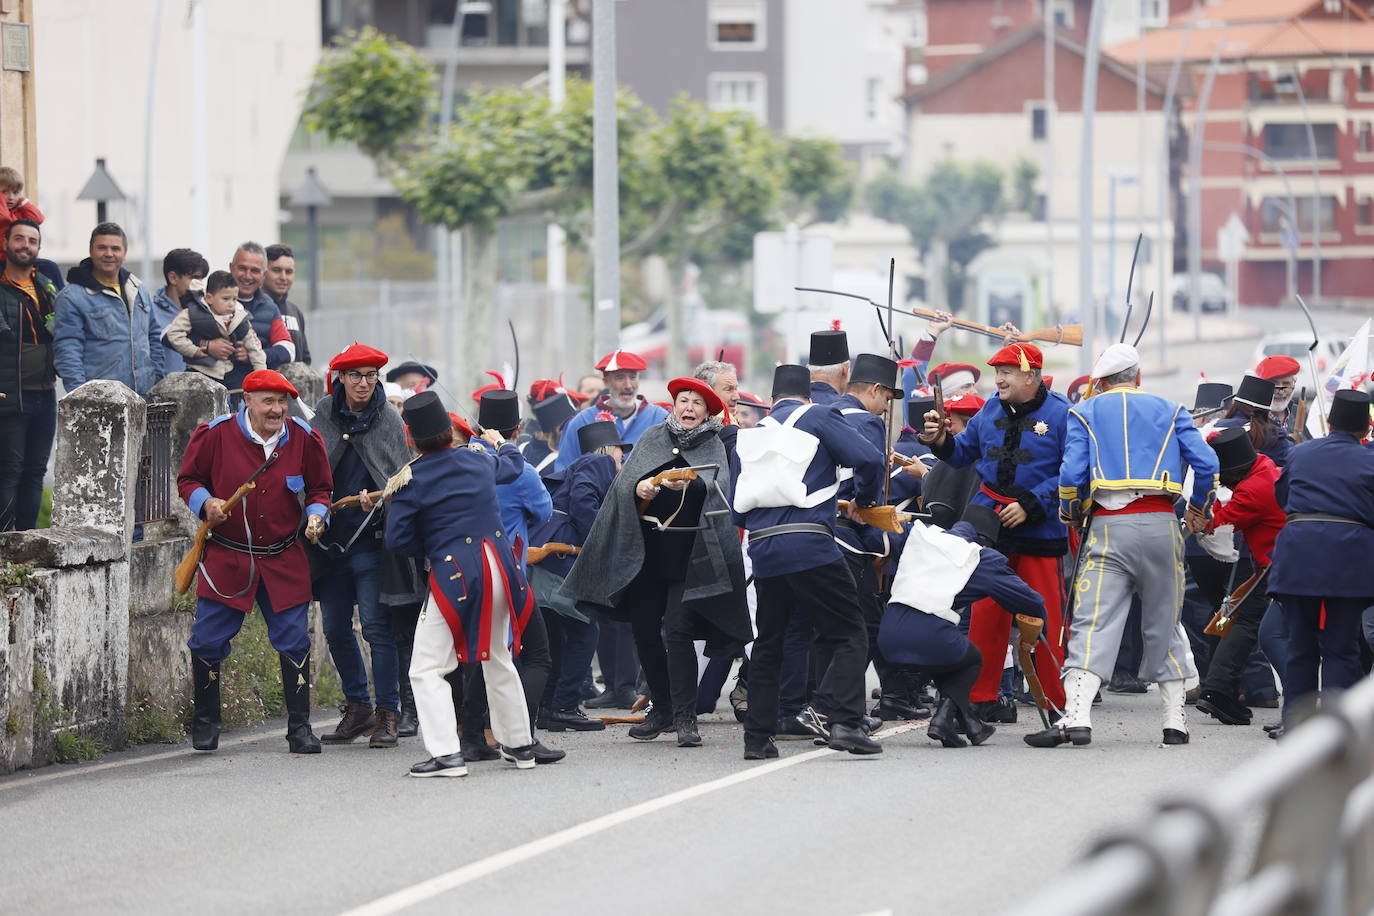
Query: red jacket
x=1254, y=510
x=25, y=210
x=219, y=458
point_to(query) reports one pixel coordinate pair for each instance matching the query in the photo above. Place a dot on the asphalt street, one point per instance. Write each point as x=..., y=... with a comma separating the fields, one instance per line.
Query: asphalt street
x=620, y=826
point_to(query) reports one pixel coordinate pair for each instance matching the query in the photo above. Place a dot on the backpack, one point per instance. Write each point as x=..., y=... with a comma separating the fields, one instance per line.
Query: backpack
x=773, y=460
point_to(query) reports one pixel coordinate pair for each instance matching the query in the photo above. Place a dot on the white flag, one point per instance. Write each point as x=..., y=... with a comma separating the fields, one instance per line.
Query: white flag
x=1352, y=370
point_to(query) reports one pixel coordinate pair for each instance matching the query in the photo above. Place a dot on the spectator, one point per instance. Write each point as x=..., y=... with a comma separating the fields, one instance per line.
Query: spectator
x=104, y=326
x=213, y=330
x=409, y=375
x=14, y=206
x=179, y=268
x=590, y=386
x=248, y=267
x=632, y=412
x=281, y=273
x=28, y=400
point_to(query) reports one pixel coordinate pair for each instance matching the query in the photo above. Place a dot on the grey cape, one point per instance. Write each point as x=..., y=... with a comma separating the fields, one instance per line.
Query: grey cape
x=614, y=552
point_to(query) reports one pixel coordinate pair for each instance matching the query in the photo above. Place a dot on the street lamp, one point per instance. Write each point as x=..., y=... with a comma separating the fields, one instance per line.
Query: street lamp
x=101, y=188
x=311, y=195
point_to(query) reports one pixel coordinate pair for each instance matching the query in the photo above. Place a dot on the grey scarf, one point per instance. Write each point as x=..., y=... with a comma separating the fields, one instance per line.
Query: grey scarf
x=691, y=438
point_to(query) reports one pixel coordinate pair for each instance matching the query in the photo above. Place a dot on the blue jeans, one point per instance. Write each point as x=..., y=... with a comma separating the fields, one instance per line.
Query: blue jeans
x=25, y=444
x=356, y=579
x=571, y=644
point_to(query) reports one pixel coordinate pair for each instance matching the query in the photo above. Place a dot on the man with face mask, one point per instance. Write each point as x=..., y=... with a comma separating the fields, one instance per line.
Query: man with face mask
x=622, y=403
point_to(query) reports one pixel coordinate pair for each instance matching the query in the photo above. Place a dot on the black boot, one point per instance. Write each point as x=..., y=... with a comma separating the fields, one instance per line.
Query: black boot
x=205, y=722
x=687, y=734
x=474, y=748
x=977, y=730
x=408, y=725
x=655, y=723
x=295, y=689
x=944, y=725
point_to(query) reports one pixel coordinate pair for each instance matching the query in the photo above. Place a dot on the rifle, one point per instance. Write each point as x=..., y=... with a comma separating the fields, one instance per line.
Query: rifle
x=186, y=569
x=1300, y=416
x=885, y=517
x=354, y=501
x=659, y=479
x=1220, y=624
x=553, y=548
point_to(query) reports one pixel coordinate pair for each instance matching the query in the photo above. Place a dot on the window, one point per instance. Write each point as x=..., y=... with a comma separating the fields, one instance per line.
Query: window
x=1366, y=211
x=1063, y=13
x=739, y=92
x=1365, y=138
x=736, y=25
x=1289, y=141
x=1274, y=213
x=873, y=90
x=1154, y=13
x=1366, y=78
x=1039, y=122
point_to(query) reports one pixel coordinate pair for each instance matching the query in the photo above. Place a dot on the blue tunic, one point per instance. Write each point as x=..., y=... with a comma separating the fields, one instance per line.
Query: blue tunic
x=852, y=536
x=1326, y=559
x=839, y=447
x=524, y=503
x=576, y=500
x=647, y=417
x=822, y=393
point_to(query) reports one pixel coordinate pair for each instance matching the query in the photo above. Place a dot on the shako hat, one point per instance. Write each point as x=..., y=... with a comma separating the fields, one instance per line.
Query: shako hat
x=828, y=348
x=872, y=369
x=1211, y=397
x=425, y=415
x=553, y=412
x=917, y=406
x=1234, y=449
x=1349, y=411
x=596, y=435
x=985, y=522
x=499, y=409
x=1256, y=391
x=791, y=379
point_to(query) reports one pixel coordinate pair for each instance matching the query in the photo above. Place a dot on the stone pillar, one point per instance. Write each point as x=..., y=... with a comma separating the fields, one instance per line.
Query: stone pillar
x=308, y=382
x=99, y=441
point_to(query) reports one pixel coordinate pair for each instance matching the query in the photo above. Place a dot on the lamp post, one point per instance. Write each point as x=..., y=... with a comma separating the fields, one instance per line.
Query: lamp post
x=1115, y=179
x=101, y=188
x=312, y=195
x=1292, y=209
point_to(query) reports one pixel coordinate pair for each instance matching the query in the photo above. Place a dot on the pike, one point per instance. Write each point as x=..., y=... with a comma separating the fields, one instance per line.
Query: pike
x=1071, y=334
x=186, y=569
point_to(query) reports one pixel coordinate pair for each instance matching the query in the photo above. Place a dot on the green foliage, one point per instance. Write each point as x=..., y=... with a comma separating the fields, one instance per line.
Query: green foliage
x=152, y=724
x=371, y=90
x=47, y=712
x=70, y=747
x=45, y=509
x=819, y=181
x=14, y=575
x=250, y=679
x=14, y=722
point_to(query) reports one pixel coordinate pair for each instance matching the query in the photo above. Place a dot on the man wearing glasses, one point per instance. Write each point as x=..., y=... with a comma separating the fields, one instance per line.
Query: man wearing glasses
x=1283, y=372
x=366, y=442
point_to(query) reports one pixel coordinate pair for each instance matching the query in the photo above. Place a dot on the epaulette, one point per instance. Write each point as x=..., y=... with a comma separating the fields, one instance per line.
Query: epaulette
x=399, y=479
x=303, y=425
x=220, y=419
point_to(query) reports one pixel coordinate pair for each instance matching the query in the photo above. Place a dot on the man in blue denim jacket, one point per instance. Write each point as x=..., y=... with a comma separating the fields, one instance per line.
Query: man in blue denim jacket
x=104, y=327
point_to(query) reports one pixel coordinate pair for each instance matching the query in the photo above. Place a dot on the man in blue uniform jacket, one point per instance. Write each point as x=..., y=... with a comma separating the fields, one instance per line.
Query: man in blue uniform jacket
x=632, y=413
x=787, y=503
x=1321, y=557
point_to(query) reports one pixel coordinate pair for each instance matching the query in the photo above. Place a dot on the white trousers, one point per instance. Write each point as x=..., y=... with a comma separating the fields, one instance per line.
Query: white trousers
x=434, y=656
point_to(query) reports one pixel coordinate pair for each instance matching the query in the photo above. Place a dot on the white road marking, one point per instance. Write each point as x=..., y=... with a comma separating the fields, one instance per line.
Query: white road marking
x=466, y=874
x=65, y=771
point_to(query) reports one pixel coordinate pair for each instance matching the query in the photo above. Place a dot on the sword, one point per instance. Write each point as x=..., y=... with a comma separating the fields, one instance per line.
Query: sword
x=1130, y=280
x=1317, y=382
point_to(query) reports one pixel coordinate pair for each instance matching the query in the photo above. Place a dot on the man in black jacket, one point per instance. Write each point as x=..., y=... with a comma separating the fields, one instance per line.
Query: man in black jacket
x=28, y=396
x=277, y=282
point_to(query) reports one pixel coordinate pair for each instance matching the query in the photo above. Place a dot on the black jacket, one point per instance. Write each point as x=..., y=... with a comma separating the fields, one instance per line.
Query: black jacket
x=16, y=324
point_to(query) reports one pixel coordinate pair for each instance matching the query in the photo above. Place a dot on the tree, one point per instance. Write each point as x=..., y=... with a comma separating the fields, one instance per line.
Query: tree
x=946, y=216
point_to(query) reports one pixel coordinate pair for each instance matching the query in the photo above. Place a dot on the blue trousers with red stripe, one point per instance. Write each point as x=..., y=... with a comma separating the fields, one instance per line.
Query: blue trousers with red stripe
x=216, y=624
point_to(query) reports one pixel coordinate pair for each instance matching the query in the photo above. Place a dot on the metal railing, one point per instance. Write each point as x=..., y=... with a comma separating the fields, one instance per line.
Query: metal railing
x=154, y=486
x=1290, y=831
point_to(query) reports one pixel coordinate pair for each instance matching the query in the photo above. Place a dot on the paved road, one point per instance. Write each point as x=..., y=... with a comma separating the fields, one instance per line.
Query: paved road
x=620, y=826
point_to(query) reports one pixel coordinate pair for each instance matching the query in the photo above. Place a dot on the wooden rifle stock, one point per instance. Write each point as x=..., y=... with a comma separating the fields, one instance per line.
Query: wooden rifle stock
x=1300, y=417
x=354, y=501
x=553, y=548
x=186, y=569
x=658, y=480
x=1220, y=624
x=885, y=517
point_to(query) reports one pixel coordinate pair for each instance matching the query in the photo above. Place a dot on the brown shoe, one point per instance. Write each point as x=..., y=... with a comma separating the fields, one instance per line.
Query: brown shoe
x=357, y=720
x=385, y=733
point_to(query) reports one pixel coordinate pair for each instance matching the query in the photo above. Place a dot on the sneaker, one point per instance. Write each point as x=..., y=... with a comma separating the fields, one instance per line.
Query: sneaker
x=522, y=757
x=815, y=722
x=448, y=765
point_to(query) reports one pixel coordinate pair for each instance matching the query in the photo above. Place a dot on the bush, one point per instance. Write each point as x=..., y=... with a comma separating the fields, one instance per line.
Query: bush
x=151, y=724
x=70, y=747
x=250, y=679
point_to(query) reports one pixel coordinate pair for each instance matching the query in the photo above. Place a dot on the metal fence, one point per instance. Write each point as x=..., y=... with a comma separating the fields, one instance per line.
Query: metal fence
x=154, y=487
x=1290, y=831
x=408, y=321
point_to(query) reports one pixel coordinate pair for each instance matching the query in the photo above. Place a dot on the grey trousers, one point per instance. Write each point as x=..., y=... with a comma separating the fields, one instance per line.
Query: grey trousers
x=1128, y=555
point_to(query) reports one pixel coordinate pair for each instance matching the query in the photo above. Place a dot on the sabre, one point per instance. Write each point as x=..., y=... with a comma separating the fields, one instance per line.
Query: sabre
x=1317, y=383
x=1149, y=310
x=1130, y=281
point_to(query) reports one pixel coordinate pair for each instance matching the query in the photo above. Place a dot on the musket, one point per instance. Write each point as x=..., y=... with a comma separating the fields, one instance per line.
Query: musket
x=1220, y=624
x=1300, y=414
x=355, y=501
x=1312, y=365
x=886, y=518
x=672, y=474
x=1071, y=334
x=553, y=548
x=186, y=569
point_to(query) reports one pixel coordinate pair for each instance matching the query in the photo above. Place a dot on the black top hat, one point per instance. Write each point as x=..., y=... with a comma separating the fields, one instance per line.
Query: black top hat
x=1211, y=396
x=554, y=411
x=499, y=409
x=596, y=435
x=1349, y=411
x=424, y=413
x=1234, y=449
x=985, y=522
x=409, y=366
x=828, y=348
x=1256, y=391
x=871, y=369
x=791, y=380
x=916, y=409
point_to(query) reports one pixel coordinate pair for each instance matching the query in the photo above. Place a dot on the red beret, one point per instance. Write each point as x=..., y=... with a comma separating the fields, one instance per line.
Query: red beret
x=967, y=404
x=461, y=425
x=358, y=356
x=269, y=380
x=622, y=360
x=1048, y=380
x=1078, y=383
x=714, y=405
x=945, y=370
x=1023, y=356
x=1272, y=367
x=544, y=388
x=754, y=401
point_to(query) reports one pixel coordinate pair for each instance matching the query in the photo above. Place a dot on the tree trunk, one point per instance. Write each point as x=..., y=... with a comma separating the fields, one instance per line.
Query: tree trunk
x=479, y=288
x=675, y=356
x=937, y=265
